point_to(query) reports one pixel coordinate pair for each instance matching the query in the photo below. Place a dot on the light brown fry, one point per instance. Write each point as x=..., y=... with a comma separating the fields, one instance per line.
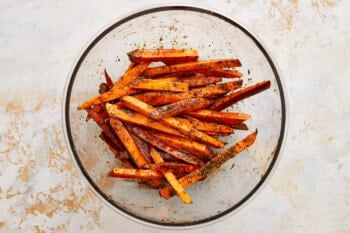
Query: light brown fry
x=192, y=66
x=212, y=165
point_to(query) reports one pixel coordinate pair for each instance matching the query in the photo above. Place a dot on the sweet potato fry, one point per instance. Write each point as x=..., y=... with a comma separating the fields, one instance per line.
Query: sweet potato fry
x=243, y=93
x=193, y=80
x=128, y=142
x=100, y=121
x=192, y=132
x=107, y=96
x=174, y=167
x=199, y=80
x=163, y=55
x=108, y=79
x=211, y=133
x=138, y=119
x=160, y=85
x=156, y=98
x=168, y=157
x=225, y=73
x=179, y=107
x=161, y=98
x=173, y=122
x=130, y=75
x=239, y=126
x=185, y=144
x=134, y=173
x=160, y=145
x=226, y=118
x=142, y=145
x=192, y=66
x=170, y=177
x=212, y=165
x=206, y=126
x=98, y=109
x=168, y=78
x=104, y=87
x=218, y=89
x=119, y=89
x=115, y=151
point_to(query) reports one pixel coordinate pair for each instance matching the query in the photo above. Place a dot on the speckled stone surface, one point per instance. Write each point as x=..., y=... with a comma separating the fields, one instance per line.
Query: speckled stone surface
x=41, y=189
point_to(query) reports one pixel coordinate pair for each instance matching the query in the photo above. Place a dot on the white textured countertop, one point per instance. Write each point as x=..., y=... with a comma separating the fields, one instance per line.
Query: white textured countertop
x=41, y=189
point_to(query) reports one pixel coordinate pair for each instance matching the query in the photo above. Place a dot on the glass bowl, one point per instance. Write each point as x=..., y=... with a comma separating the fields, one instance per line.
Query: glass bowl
x=215, y=36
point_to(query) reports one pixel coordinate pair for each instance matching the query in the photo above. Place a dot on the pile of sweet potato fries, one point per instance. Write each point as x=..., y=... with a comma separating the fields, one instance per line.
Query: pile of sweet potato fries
x=162, y=121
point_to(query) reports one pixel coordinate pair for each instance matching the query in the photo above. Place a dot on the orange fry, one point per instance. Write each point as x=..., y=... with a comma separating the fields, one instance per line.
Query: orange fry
x=179, y=107
x=226, y=118
x=212, y=165
x=192, y=66
x=174, y=167
x=243, y=93
x=138, y=119
x=161, y=98
x=142, y=145
x=239, y=126
x=108, y=78
x=119, y=89
x=221, y=73
x=192, y=132
x=114, y=149
x=128, y=142
x=99, y=119
x=211, y=133
x=135, y=104
x=185, y=144
x=206, y=126
x=163, y=55
x=170, y=177
x=133, y=173
x=218, y=89
x=160, y=145
x=199, y=80
x=130, y=75
x=160, y=85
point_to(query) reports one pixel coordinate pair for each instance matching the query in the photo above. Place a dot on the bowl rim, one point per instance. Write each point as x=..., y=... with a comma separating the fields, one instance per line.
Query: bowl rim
x=278, y=149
